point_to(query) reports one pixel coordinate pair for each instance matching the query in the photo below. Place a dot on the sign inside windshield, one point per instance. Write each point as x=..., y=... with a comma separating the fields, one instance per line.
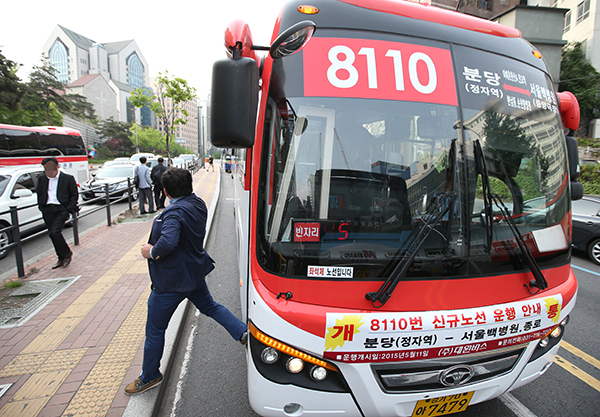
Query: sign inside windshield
x=367, y=68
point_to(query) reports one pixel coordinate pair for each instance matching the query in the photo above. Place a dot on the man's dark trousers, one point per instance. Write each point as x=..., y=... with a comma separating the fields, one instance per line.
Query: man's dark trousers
x=159, y=196
x=161, y=307
x=55, y=217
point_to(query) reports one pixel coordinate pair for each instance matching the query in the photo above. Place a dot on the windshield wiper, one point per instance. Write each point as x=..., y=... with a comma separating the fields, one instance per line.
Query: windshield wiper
x=385, y=291
x=489, y=197
x=540, y=281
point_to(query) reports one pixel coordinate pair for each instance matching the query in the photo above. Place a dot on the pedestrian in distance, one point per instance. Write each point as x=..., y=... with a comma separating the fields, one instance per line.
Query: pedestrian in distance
x=159, y=192
x=142, y=173
x=57, y=198
x=178, y=265
x=210, y=162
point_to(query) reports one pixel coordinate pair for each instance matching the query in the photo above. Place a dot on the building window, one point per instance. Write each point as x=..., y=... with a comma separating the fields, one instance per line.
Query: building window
x=567, y=23
x=59, y=59
x=583, y=10
x=135, y=71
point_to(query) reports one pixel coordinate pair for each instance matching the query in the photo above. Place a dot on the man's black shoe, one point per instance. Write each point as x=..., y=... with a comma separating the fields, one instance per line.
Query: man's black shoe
x=67, y=260
x=58, y=264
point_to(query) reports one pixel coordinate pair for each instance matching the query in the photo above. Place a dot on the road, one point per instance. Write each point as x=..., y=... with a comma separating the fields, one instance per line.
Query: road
x=41, y=246
x=209, y=375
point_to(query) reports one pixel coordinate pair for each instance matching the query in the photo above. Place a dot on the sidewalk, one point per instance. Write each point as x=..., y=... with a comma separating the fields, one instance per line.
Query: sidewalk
x=77, y=343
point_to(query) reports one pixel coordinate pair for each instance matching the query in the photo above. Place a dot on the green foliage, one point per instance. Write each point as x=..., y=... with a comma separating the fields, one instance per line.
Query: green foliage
x=40, y=101
x=590, y=178
x=152, y=140
x=167, y=103
x=591, y=142
x=102, y=153
x=13, y=284
x=11, y=88
x=579, y=76
x=111, y=129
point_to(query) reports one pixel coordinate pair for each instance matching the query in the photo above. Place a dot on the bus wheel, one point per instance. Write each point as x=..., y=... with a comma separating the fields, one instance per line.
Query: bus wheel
x=594, y=251
x=5, y=240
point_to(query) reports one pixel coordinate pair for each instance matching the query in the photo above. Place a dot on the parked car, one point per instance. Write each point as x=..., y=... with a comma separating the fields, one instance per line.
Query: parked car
x=178, y=163
x=586, y=226
x=117, y=176
x=189, y=158
x=135, y=158
x=18, y=188
x=152, y=162
x=116, y=161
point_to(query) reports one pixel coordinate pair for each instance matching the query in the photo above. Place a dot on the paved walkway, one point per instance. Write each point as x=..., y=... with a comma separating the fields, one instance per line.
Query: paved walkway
x=73, y=348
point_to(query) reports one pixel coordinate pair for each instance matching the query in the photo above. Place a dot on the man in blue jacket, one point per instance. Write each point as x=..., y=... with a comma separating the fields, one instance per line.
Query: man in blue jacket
x=178, y=265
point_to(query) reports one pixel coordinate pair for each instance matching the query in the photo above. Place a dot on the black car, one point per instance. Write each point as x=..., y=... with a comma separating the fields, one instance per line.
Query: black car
x=116, y=176
x=586, y=226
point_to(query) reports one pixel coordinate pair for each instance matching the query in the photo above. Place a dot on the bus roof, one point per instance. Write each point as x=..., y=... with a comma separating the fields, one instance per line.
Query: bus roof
x=437, y=15
x=43, y=129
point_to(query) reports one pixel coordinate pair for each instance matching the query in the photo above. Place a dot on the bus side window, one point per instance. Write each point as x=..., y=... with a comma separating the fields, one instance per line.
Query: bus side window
x=74, y=145
x=52, y=144
x=23, y=143
x=4, y=148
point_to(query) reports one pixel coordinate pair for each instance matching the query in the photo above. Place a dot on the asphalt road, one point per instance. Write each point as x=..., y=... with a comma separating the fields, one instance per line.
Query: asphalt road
x=209, y=373
x=41, y=246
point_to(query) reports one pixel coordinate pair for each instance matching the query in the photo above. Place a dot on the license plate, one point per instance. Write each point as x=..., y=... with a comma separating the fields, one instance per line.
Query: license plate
x=442, y=405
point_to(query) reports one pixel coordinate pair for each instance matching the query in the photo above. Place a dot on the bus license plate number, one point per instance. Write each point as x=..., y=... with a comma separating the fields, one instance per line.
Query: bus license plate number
x=442, y=405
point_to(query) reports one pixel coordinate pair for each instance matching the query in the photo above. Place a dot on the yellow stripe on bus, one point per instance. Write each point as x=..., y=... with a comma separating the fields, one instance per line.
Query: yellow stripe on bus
x=569, y=367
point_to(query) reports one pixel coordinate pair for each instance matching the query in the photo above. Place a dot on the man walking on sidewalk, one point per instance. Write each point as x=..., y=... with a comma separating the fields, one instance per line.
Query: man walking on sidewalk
x=145, y=185
x=178, y=265
x=156, y=175
x=57, y=198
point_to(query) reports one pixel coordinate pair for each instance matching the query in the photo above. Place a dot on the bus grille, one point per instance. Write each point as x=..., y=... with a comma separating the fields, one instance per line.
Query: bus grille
x=430, y=375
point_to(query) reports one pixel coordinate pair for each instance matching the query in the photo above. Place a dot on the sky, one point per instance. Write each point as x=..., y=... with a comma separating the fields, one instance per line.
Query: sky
x=179, y=36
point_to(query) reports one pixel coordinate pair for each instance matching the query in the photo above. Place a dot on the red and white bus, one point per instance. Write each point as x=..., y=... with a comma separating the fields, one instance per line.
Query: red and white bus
x=30, y=145
x=402, y=202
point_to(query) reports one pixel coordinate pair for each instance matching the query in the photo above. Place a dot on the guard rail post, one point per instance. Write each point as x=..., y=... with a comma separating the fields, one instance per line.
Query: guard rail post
x=130, y=198
x=16, y=233
x=108, y=217
x=76, y=227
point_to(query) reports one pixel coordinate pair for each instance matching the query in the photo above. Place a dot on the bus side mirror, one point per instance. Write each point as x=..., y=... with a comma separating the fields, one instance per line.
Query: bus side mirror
x=573, y=158
x=234, y=103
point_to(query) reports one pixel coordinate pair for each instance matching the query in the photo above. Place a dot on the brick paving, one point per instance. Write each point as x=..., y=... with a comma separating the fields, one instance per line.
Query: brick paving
x=76, y=355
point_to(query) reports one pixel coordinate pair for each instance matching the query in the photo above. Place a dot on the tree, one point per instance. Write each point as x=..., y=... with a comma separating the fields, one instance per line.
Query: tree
x=149, y=140
x=579, y=76
x=111, y=129
x=11, y=87
x=167, y=103
x=45, y=91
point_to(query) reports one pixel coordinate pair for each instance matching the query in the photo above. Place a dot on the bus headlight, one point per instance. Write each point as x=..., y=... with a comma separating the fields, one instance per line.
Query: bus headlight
x=318, y=373
x=544, y=342
x=294, y=365
x=269, y=355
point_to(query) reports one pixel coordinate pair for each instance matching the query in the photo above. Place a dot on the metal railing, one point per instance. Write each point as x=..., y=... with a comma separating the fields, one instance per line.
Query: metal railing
x=107, y=197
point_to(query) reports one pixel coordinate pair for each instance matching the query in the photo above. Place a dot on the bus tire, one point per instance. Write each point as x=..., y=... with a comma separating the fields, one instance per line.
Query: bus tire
x=5, y=240
x=594, y=251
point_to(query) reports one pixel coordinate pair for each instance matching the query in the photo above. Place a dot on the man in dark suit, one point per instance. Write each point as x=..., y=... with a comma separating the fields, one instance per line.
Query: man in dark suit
x=159, y=191
x=57, y=197
x=178, y=265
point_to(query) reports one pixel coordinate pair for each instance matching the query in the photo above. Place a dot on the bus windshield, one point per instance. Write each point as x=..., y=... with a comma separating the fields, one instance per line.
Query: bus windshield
x=350, y=182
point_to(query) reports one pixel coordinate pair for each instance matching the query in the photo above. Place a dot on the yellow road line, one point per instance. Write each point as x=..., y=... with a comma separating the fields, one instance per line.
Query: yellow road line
x=569, y=367
x=580, y=353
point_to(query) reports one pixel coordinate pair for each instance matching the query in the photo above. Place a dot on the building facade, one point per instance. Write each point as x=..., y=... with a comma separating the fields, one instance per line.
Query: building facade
x=91, y=68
